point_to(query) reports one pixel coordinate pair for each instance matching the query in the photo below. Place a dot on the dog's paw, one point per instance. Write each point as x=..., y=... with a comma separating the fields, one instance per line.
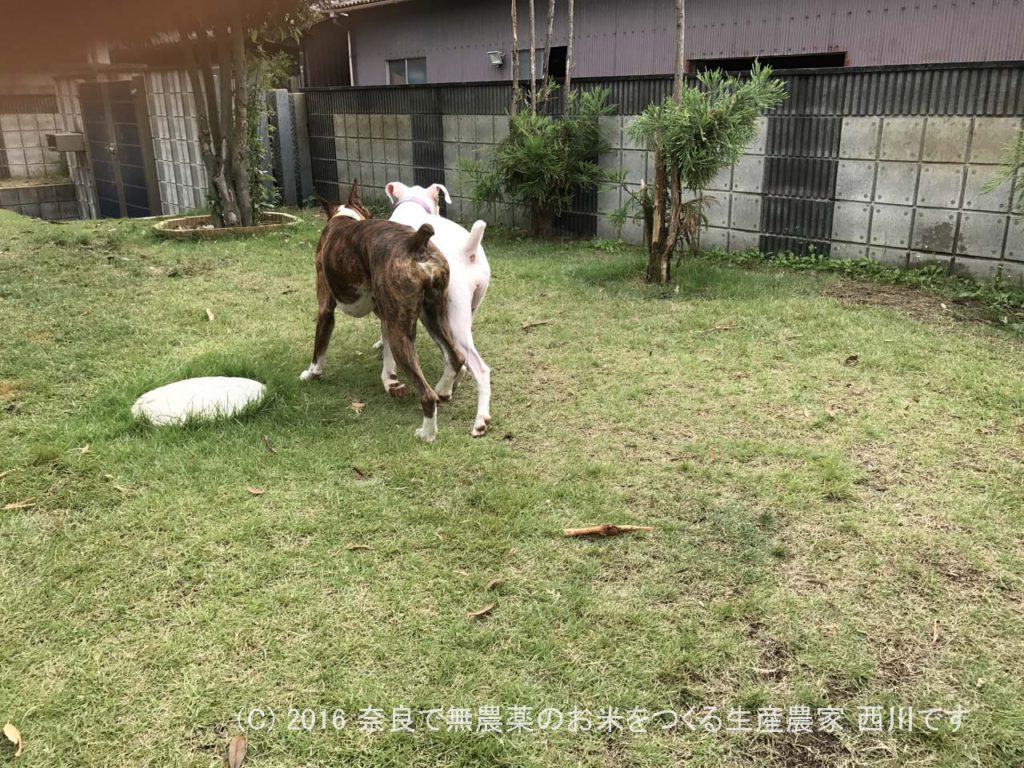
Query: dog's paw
x=308, y=375
x=398, y=391
x=480, y=427
x=426, y=435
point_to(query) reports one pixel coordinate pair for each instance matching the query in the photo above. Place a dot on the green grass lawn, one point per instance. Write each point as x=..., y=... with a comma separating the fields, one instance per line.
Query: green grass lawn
x=827, y=532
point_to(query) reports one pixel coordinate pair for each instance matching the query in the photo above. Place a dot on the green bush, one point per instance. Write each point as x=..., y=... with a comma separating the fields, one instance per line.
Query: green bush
x=693, y=139
x=546, y=160
x=1014, y=164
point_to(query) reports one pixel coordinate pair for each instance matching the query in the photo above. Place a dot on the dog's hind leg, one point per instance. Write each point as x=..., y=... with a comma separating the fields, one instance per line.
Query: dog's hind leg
x=402, y=343
x=389, y=371
x=460, y=321
x=482, y=375
x=434, y=320
x=324, y=328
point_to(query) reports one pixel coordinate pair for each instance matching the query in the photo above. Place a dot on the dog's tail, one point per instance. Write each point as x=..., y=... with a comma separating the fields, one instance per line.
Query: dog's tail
x=418, y=241
x=436, y=267
x=476, y=236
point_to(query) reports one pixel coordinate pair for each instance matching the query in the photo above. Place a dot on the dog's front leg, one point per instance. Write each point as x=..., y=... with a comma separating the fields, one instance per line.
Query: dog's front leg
x=324, y=328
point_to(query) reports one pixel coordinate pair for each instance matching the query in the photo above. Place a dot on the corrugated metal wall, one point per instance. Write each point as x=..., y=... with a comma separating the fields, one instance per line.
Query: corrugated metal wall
x=637, y=38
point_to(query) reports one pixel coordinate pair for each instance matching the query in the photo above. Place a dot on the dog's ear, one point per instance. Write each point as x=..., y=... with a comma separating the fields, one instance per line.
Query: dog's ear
x=395, y=190
x=329, y=208
x=436, y=189
x=353, y=195
x=418, y=240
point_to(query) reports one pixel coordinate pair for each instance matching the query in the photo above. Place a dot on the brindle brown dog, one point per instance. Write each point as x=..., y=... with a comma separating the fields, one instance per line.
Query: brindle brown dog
x=365, y=265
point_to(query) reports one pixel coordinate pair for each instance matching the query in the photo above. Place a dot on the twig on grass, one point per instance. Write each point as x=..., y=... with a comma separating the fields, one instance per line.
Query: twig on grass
x=528, y=325
x=606, y=529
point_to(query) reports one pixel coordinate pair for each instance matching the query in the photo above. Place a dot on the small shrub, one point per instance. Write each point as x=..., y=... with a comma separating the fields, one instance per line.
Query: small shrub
x=693, y=139
x=546, y=161
x=1014, y=164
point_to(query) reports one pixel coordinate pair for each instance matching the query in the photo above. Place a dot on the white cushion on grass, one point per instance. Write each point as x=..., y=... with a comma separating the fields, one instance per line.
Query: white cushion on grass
x=208, y=397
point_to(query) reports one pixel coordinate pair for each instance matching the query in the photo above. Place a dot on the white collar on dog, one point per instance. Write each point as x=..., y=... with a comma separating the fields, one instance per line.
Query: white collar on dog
x=348, y=213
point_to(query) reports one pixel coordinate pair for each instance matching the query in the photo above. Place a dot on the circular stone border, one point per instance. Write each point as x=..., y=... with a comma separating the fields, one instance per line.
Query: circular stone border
x=189, y=227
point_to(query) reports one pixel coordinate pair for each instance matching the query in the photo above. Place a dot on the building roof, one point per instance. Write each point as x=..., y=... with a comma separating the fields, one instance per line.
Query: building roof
x=350, y=5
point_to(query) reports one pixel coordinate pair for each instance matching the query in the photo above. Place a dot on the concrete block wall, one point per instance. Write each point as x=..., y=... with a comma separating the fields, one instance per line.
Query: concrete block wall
x=854, y=164
x=375, y=149
x=473, y=137
x=53, y=202
x=181, y=174
x=24, y=144
x=909, y=192
x=78, y=164
x=28, y=111
x=288, y=145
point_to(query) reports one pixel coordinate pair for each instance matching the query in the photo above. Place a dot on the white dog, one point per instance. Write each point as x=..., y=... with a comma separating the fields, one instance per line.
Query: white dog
x=470, y=276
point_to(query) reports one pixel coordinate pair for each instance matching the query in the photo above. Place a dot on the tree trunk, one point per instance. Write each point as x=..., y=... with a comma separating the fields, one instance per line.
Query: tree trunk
x=533, y=60
x=657, y=264
x=680, y=76
x=542, y=222
x=241, y=174
x=196, y=64
x=568, y=53
x=515, y=60
x=667, y=193
x=222, y=119
x=546, y=73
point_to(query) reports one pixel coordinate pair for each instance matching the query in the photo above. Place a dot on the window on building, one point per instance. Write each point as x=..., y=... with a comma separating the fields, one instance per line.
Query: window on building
x=802, y=61
x=557, y=64
x=407, y=71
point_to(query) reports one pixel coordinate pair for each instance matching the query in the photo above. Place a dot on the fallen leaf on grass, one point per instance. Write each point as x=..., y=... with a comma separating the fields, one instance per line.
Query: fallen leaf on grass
x=21, y=504
x=935, y=631
x=356, y=547
x=851, y=361
x=740, y=375
x=236, y=751
x=87, y=448
x=255, y=491
x=6, y=472
x=357, y=406
x=606, y=529
x=125, y=491
x=493, y=583
x=359, y=474
x=266, y=442
x=725, y=325
x=209, y=314
x=483, y=611
x=14, y=736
